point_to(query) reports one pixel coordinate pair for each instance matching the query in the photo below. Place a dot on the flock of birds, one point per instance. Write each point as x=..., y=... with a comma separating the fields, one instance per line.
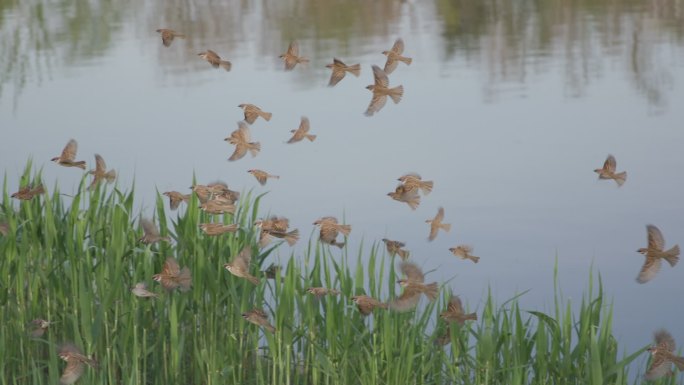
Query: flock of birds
x=217, y=198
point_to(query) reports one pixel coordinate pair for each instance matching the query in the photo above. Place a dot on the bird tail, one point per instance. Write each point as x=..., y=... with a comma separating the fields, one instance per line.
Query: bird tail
x=110, y=176
x=38, y=190
x=404, y=254
x=355, y=70
x=292, y=237
x=254, y=148
x=672, y=255
x=621, y=178
x=253, y=279
x=396, y=93
x=185, y=279
x=270, y=328
x=426, y=186
x=265, y=115
x=474, y=258
x=445, y=226
x=311, y=137
x=80, y=164
x=338, y=244
x=226, y=65
x=302, y=60
x=344, y=229
x=180, y=35
x=413, y=202
x=471, y=316
x=406, y=60
x=432, y=290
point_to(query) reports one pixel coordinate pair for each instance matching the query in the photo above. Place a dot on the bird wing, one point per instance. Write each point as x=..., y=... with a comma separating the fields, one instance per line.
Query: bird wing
x=380, y=77
x=610, y=164
x=455, y=306
x=243, y=131
x=260, y=177
x=240, y=151
x=167, y=37
x=407, y=301
x=293, y=49
x=390, y=65
x=655, y=238
x=440, y=215
x=304, y=125
x=149, y=229
x=398, y=46
x=213, y=55
x=243, y=258
x=337, y=75
x=251, y=114
x=664, y=340
x=171, y=268
x=376, y=104
x=69, y=151
x=434, y=229
x=649, y=270
x=100, y=165
x=412, y=272
x=659, y=367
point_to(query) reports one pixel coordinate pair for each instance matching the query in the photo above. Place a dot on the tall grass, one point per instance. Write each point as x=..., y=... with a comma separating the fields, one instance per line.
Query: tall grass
x=72, y=260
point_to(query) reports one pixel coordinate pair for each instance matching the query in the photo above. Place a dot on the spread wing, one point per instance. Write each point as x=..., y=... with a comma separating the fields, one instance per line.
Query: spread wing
x=440, y=215
x=171, y=268
x=664, y=341
x=260, y=177
x=455, y=306
x=293, y=49
x=412, y=272
x=610, y=164
x=381, y=79
x=251, y=114
x=337, y=74
x=243, y=131
x=240, y=151
x=243, y=259
x=655, y=238
x=649, y=270
x=660, y=366
x=304, y=126
x=69, y=152
x=376, y=104
x=149, y=228
x=398, y=46
x=407, y=301
x=100, y=165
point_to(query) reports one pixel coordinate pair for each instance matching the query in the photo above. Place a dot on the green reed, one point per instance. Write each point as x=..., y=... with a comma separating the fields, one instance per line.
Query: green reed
x=73, y=260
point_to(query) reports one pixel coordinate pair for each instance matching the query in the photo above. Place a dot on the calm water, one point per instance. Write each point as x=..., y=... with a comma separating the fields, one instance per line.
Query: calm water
x=508, y=107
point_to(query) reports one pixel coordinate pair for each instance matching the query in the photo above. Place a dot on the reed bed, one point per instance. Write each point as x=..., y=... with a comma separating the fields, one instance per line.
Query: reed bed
x=73, y=260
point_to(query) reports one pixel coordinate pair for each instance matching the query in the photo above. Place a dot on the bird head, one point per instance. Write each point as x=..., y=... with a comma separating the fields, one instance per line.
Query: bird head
x=403, y=282
x=228, y=266
x=370, y=87
x=157, y=277
x=385, y=53
x=55, y=159
x=642, y=251
x=452, y=249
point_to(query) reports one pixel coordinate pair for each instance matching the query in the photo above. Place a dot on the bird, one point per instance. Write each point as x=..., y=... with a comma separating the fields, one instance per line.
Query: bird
x=663, y=355
x=339, y=69
x=220, y=190
x=168, y=35
x=291, y=57
x=272, y=271
x=273, y=223
x=413, y=181
x=366, y=304
x=436, y=224
x=413, y=286
x=173, y=277
x=140, y=290
x=218, y=228
x=463, y=252
x=215, y=60
x=258, y=317
x=262, y=176
x=76, y=362
x=445, y=338
x=68, y=155
x=39, y=328
x=410, y=197
x=319, y=292
x=302, y=132
x=101, y=172
x=291, y=237
x=240, y=138
x=239, y=267
x=330, y=229
x=217, y=206
x=608, y=171
x=150, y=233
x=28, y=192
x=252, y=112
x=654, y=252
x=454, y=312
x=175, y=198
x=394, y=56
x=381, y=91
x=395, y=247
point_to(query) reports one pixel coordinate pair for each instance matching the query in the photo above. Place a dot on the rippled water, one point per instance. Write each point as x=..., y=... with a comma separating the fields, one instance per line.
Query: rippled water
x=508, y=107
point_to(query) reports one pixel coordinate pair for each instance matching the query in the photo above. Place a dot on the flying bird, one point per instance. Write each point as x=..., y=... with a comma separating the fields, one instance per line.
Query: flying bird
x=302, y=132
x=28, y=192
x=654, y=252
x=240, y=138
x=218, y=228
x=464, y=252
x=101, y=172
x=413, y=286
x=140, y=290
x=608, y=171
x=319, y=292
x=396, y=247
x=239, y=267
x=394, y=56
x=366, y=304
x=663, y=356
x=402, y=194
x=175, y=198
x=339, y=69
x=291, y=57
x=40, y=326
x=262, y=176
x=68, y=155
x=454, y=312
x=252, y=112
x=168, y=35
x=215, y=60
x=330, y=229
x=218, y=206
x=436, y=224
x=381, y=91
x=151, y=233
x=414, y=181
x=259, y=318
x=173, y=277
x=76, y=362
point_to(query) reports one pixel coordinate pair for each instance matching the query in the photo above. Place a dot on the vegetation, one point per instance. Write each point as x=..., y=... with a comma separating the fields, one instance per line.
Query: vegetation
x=73, y=260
